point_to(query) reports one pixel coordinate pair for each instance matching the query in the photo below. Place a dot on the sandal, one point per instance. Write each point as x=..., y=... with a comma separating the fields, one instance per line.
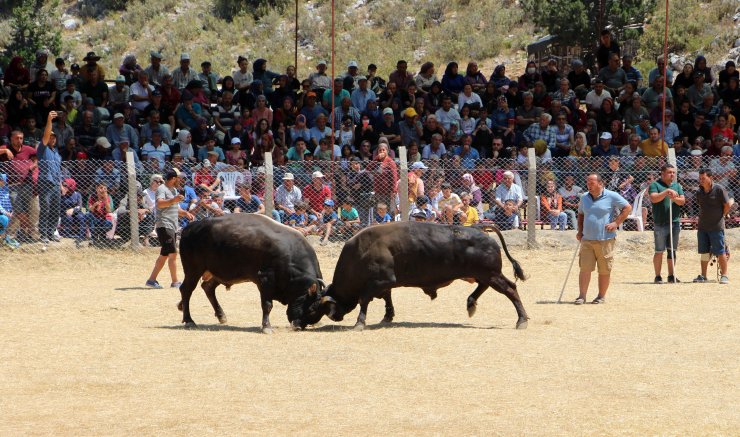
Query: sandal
x=579, y=301
x=598, y=300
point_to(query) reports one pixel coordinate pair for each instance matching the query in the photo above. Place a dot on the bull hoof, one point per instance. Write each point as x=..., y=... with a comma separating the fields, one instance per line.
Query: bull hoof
x=387, y=320
x=359, y=327
x=190, y=325
x=522, y=324
x=471, y=309
x=296, y=325
x=221, y=319
x=179, y=306
x=267, y=330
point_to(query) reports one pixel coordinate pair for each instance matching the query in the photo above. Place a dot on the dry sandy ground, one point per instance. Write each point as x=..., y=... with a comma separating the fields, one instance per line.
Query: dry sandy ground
x=87, y=351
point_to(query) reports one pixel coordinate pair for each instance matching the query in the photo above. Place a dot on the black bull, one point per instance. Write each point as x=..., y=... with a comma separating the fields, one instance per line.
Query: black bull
x=248, y=248
x=412, y=254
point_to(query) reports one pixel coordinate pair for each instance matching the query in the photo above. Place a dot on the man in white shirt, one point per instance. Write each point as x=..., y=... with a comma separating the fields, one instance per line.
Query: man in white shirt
x=596, y=96
x=447, y=114
x=319, y=79
x=508, y=190
x=141, y=92
x=286, y=196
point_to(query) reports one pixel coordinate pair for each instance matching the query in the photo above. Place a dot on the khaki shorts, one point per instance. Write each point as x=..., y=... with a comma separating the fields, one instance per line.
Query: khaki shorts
x=597, y=253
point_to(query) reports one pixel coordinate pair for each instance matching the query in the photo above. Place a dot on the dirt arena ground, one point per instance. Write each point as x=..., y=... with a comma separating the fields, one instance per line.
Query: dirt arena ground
x=87, y=351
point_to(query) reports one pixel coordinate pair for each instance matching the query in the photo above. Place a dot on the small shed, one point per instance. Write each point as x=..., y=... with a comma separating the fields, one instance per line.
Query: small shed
x=552, y=47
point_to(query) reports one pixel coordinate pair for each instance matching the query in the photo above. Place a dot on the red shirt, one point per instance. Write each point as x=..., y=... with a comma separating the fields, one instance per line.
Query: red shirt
x=316, y=197
x=22, y=165
x=204, y=179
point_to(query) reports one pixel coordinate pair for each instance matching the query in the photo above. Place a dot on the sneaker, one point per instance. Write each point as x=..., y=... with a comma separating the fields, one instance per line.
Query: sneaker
x=724, y=279
x=673, y=280
x=700, y=279
x=44, y=241
x=153, y=284
x=55, y=239
x=12, y=243
x=598, y=300
x=579, y=301
x=176, y=284
x=658, y=280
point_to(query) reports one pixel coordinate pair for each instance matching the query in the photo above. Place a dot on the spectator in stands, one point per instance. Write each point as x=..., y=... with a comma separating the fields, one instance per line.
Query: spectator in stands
x=530, y=77
x=156, y=71
x=721, y=127
x=700, y=65
x=469, y=214
x=527, y=114
x=635, y=111
x=119, y=93
x=411, y=128
x=100, y=209
x=336, y=95
x=248, y=202
x=72, y=222
x=725, y=75
x=452, y=80
x=141, y=93
x=552, y=207
x=542, y=131
x=660, y=72
x=595, y=97
x=385, y=174
x=724, y=171
x=100, y=149
x=91, y=67
x=698, y=90
x=183, y=75
x=653, y=97
x=188, y=112
x=61, y=127
x=607, y=47
x=450, y=206
x=210, y=81
x=95, y=89
x=17, y=75
x=612, y=75
x=286, y=197
x=468, y=155
x=508, y=190
x=654, y=146
x=605, y=148
x=70, y=89
x=119, y=130
x=632, y=73
x=606, y=114
x=643, y=127
x=498, y=77
x=157, y=148
x=426, y=77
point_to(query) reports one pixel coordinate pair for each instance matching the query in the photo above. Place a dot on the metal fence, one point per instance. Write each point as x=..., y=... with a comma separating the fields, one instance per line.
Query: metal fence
x=90, y=206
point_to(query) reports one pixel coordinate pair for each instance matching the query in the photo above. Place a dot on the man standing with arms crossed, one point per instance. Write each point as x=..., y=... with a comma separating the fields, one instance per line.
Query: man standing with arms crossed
x=714, y=204
x=597, y=232
x=168, y=212
x=662, y=192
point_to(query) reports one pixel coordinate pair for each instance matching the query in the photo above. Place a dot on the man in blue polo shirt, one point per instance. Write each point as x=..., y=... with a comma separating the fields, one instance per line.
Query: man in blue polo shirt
x=49, y=182
x=597, y=231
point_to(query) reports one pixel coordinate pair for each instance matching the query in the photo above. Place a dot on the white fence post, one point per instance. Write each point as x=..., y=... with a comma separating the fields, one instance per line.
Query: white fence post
x=269, y=197
x=133, y=200
x=532, y=200
x=403, y=184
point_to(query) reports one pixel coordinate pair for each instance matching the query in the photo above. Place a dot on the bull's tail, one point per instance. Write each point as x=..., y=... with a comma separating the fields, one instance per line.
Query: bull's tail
x=518, y=271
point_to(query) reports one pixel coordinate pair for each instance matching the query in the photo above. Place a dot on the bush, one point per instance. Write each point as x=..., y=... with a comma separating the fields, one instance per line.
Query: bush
x=34, y=27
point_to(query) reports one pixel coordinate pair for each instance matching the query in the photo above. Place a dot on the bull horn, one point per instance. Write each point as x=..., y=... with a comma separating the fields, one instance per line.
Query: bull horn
x=321, y=283
x=326, y=299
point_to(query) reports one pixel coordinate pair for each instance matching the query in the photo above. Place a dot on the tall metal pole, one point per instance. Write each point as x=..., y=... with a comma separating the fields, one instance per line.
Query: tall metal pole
x=331, y=94
x=665, y=74
x=295, y=59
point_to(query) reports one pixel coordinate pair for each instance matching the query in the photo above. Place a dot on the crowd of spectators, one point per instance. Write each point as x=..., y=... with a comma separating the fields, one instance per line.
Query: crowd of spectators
x=334, y=141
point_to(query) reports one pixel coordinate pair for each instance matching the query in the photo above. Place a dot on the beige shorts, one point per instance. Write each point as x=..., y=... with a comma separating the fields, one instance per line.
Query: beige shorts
x=597, y=253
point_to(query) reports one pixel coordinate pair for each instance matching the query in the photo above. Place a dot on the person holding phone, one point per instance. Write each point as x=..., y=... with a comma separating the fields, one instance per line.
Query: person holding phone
x=167, y=213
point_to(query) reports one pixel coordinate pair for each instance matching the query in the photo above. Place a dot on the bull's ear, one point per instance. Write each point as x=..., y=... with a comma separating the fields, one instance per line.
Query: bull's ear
x=313, y=289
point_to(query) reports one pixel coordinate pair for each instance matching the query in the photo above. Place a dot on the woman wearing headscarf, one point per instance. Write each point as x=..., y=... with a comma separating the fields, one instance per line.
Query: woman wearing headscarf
x=700, y=65
x=474, y=190
x=261, y=73
x=452, y=81
x=186, y=145
x=529, y=78
x=475, y=78
x=499, y=76
x=433, y=99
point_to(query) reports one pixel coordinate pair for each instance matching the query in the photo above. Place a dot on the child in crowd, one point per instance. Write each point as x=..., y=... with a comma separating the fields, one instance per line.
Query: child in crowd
x=298, y=220
x=6, y=212
x=507, y=218
x=325, y=152
x=328, y=220
x=346, y=134
x=381, y=214
x=422, y=205
x=349, y=219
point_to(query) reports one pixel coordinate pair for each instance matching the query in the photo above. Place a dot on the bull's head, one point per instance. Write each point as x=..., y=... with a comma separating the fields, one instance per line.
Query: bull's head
x=309, y=308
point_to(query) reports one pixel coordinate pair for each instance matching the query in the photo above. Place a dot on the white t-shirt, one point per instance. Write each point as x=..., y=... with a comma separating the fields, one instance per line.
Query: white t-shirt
x=593, y=101
x=138, y=90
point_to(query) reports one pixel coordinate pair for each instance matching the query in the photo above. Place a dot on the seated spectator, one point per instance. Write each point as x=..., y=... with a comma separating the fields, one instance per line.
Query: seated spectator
x=99, y=215
x=571, y=195
x=72, y=223
x=315, y=194
x=205, y=178
x=450, y=206
x=579, y=79
x=595, y=97
x=211, y=147
x=156, y=148
x=507, y=217
x=724, y=171
x=381, y=214
x=108, y=175
x=188, y=113
x=349, y=219
x=298, y=220
x=654, y=146
x=119, y=93
x=605, y=147
x=119, y=130
x=286, y=196
x=468, y=155
x=606, y=114
x=328, y=221
x=530, y=77
x=508, y=190
x=469, y=215
x=206, y=207
x=552, y=207
x=698, y=90
x=145, y=212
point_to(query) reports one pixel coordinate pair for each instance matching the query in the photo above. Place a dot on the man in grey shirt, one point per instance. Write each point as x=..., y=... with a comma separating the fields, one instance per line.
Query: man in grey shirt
x=167, y=201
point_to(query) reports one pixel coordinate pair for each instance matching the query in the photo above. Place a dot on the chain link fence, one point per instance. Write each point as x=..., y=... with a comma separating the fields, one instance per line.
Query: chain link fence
x=90, y=206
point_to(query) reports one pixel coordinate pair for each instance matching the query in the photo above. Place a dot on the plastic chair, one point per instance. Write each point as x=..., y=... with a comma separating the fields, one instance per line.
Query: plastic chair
x=636, y=213
x=228, y=183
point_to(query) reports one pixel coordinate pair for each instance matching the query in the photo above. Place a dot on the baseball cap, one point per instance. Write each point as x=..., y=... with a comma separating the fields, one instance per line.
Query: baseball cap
x=410, y=112
x=103, y=142
x=206, y=163
x=418, y=165
x=387, y=111
x=317, y=174
x=418, y=213
x=352, y=64
x=120, y=78
x=236, y=140
x=185, y=57
x=328, y=202
x=321, y=62
x=288, y=177
x=117, y=115
x=606, y=136
x=157, y=55
x=361, y=78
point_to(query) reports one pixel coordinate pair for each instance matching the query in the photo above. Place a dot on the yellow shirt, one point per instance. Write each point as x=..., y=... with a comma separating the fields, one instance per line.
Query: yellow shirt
x=472, y=214
x=654, y=149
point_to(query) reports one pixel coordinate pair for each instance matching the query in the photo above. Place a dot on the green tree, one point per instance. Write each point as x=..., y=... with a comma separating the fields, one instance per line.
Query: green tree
x=34, y=26
x=228, y=9
x=581, y=21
